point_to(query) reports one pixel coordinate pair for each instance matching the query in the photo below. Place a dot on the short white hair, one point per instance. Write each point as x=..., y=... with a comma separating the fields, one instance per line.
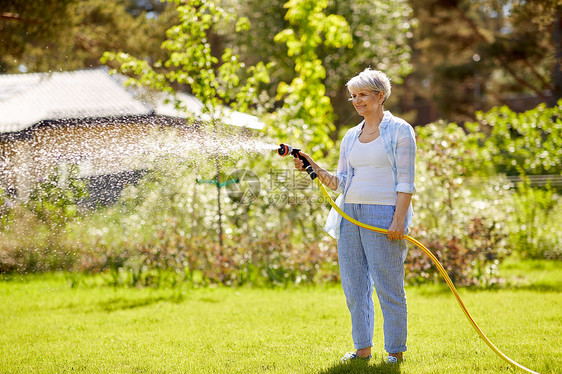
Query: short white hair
x=369, y=79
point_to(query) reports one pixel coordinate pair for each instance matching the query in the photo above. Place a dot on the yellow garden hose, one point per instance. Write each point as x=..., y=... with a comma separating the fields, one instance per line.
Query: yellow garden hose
x=441, y=270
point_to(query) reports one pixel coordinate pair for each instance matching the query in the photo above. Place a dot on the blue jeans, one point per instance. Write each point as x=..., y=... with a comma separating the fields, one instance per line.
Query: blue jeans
x=366, y=258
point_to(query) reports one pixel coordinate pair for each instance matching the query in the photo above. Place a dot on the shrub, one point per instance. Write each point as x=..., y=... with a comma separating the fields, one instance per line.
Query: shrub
x=6, y=211
x=461, y=220
x=528, y=143
x=165, y=229
x=35, y=239
x=535, y=230
x=54, y=202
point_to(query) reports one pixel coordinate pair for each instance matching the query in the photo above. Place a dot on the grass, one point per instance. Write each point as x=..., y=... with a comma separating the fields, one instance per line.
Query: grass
x=50, y=327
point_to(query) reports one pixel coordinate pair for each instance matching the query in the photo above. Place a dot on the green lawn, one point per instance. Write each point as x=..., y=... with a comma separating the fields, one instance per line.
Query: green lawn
x=49, y=327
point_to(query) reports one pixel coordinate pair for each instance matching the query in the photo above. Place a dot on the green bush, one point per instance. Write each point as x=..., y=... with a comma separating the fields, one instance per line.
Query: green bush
x=466, y=212
x=459, y=218
x=6, y=211
x=166, y=228
x=528, y=143
x=54, y=201
x=36, y=238
x=537, y=221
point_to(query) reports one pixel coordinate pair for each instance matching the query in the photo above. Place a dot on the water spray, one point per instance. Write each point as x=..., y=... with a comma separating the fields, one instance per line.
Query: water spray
x=285, y=149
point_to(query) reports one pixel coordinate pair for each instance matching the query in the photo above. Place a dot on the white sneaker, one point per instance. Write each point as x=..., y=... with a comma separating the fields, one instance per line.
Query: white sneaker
x=391, y=360
x=349, y=356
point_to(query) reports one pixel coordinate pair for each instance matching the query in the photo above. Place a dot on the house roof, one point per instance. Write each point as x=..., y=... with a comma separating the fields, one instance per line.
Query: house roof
x=195, y=106
x=29, y=99
x=26, y=99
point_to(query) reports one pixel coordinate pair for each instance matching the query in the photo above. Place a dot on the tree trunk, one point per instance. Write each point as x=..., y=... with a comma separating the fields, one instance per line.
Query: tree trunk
x=556, y=72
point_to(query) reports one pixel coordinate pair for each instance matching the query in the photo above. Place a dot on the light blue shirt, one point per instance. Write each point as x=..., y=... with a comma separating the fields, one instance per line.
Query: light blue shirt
x=400, y=145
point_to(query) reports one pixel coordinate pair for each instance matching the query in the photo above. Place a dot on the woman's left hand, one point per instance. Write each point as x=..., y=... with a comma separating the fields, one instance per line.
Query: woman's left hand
x=395, y=231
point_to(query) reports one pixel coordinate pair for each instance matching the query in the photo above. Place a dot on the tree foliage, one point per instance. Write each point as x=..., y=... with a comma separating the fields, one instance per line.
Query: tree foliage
x=380, y=33
x=24, y=24
x=528, y=143
x=70, y=34
x=305, y=99
x=473, y=55
x=190, y=64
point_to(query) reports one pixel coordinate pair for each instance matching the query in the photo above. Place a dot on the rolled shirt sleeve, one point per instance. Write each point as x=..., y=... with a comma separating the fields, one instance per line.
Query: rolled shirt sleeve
x=406, y=160
x=343, y=169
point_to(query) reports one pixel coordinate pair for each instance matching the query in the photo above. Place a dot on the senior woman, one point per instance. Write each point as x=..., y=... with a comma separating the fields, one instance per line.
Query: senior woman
x=375, y=176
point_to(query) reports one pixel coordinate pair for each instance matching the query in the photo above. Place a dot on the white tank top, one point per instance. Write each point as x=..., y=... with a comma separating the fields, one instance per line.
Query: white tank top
x=373, y=179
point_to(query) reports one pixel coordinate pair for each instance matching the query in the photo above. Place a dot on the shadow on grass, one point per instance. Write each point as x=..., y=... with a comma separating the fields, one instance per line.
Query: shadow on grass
x=113, y=305
x=513, y=284
x=362, y=367
x=540, y=288
x=550, y=285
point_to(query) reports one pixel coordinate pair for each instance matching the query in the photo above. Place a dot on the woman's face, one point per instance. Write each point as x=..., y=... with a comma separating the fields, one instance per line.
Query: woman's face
x=365, y=101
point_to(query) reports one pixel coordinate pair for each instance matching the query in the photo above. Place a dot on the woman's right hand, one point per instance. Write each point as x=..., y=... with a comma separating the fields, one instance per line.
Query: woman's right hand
x=299, y=164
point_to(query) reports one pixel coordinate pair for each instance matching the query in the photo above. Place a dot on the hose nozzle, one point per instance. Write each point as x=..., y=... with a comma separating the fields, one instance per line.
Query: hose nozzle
x=285, y=149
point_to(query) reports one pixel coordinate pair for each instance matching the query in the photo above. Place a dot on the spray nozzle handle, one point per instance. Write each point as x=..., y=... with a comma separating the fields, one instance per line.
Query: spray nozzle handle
x=285, y=149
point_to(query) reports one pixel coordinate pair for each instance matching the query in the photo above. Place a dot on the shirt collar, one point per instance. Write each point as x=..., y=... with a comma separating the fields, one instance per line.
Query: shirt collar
x=384, y=122
x=385, y=119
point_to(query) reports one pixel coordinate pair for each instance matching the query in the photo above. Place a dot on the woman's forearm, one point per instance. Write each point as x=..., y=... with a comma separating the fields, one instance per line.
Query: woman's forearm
x=402, y=205
x=328, y=179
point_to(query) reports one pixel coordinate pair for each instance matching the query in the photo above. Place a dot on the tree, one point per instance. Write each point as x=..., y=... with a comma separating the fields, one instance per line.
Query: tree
x=70, y=34
x=471, y=55
x=539, y=29
x=24, y=23
x=305, y=104
x=380, y=32
x=190, y=64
